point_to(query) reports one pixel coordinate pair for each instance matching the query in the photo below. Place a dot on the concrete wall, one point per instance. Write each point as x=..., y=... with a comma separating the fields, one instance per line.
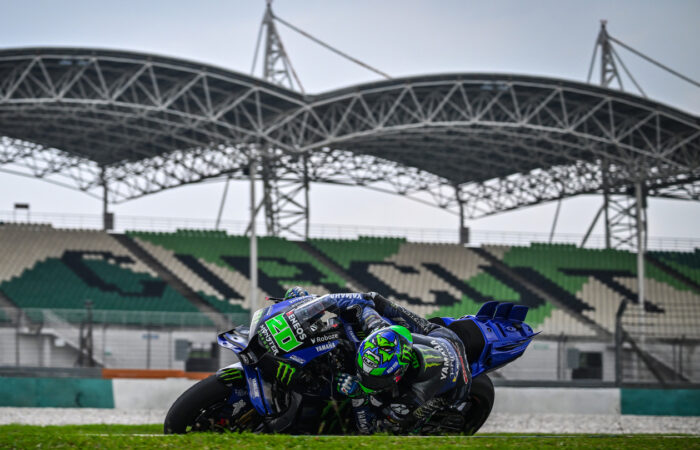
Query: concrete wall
x=115, y=348
x=557, y=400
x=546, y=360
x=159, y=394
x=148, y=394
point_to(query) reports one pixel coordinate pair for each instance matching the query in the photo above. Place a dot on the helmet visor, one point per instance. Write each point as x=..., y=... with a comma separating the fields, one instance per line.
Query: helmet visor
x=371, y=384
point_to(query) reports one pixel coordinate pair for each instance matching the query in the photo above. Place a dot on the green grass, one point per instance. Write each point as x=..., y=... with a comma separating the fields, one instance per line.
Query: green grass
x=149, y=436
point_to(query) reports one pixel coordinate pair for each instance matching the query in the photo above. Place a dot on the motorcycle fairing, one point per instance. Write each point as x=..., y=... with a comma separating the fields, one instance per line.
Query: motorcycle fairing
x=256, y=392
x=305, y=355
x=505, y=334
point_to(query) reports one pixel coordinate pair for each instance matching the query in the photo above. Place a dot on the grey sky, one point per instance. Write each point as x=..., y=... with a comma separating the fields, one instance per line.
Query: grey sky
x=551, y=38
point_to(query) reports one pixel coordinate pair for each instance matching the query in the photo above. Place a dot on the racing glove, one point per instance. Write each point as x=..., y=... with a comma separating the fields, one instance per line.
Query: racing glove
x=348, y=385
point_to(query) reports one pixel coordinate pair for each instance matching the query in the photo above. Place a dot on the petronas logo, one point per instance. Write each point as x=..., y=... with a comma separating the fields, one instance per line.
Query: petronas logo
x=285, y=372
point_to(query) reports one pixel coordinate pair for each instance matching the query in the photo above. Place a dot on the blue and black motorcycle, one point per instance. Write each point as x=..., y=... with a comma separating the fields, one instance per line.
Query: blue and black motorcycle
x=287, y=361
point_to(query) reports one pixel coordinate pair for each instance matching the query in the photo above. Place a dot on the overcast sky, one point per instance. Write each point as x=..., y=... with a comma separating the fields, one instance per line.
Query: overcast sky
x=551, y=38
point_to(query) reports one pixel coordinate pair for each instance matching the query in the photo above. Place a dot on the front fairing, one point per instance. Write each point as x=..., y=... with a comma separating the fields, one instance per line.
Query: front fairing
x=268, y=361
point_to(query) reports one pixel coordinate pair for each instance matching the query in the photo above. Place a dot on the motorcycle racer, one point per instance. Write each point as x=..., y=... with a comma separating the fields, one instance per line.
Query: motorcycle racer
x=405, y=371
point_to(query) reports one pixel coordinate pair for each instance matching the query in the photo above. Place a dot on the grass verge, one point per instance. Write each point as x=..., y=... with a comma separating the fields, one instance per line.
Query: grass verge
x=150, y=436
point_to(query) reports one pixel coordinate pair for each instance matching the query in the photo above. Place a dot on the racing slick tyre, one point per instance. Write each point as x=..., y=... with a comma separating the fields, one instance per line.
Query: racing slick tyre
x=481, y=398
x=186, y=413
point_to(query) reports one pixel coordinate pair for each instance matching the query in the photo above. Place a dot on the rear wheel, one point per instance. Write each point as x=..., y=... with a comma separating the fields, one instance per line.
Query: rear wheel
x=481, y=397
x=205, y=407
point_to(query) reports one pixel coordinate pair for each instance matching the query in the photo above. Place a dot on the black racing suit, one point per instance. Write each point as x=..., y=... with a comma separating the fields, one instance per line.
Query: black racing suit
x=438, y=373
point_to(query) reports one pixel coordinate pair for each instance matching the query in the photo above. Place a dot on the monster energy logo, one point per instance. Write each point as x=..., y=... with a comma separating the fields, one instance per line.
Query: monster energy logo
x=285, y=371
x=231, y=375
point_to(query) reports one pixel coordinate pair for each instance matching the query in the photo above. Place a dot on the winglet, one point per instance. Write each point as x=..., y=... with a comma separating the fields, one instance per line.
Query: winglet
x=518, y=313
x=502, y=310
x=487, y=310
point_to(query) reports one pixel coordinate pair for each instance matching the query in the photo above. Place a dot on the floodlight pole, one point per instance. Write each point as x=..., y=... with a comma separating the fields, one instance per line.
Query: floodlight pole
x=554, y=221
x=105, y=199
x=253, y=237
x=641, y=239
x=463, y=232
x=223, y=202
x=641, y=247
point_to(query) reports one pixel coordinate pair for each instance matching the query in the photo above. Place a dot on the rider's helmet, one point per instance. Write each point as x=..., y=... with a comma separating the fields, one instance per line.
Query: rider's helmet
x=295, y=292
x=383, y=358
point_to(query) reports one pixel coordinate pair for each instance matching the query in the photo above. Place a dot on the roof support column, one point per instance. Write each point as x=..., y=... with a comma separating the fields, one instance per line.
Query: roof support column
x=286, y=195
x=253, y=236
x=307, y=204
x=107, y=217
x=463, y=231
x=641, y=222
x=606, y=203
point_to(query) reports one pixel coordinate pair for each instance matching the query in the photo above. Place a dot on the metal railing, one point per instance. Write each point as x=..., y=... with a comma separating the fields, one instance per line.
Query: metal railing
x=650, y=351
x=61, y=338
x=109, y=338
x=333, y=231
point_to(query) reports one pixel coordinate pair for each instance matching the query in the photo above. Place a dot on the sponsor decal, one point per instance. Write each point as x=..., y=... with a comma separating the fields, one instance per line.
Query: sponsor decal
x=230, y=375
x=324, y=347
x=297, y=359
x=253, y=384
x=374, y=401
x=294, y=301
x=393, y=367
x=464, y=368
x=363, y=420
x=354, y=296
x=268, y=341
x=238, y=407
x=447, y=356
x=370, y=361
x=431, y=358
x=282, y=333
x=325, y=338
x=256, y=318
x=240, y=392
x=285, y=371
x=399, y=409
x=294, y=322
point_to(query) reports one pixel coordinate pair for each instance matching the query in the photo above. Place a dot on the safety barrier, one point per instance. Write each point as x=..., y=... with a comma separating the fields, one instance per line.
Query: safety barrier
x=158, y=394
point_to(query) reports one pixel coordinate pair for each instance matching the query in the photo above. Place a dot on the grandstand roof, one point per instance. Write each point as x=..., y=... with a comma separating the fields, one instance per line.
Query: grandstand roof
x=145, y=123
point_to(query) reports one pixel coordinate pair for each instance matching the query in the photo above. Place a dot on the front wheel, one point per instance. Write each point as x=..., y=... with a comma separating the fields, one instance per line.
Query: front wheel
x=481, y=397
x=205, y=407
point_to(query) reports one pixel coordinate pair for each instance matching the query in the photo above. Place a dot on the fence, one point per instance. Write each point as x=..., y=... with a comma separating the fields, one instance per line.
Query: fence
x=57, y=338
x=651, y=351
x=477, y=237
x=112, y=339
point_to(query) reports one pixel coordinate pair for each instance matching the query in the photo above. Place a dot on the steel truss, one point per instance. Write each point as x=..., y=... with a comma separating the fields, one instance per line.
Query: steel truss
x=286, y=201
x=625, y=218
x=495, y=142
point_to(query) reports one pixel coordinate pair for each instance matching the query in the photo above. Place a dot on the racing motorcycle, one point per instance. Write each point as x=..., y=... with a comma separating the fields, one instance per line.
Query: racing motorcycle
x=284, y=377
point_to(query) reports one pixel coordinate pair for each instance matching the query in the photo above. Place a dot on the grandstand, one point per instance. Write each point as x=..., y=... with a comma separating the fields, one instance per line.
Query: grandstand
x=62, y=269
x=571, y=291
x=119, y=125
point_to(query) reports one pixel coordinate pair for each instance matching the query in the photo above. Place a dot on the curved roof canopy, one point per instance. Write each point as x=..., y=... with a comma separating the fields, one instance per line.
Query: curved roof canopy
x=144, y=123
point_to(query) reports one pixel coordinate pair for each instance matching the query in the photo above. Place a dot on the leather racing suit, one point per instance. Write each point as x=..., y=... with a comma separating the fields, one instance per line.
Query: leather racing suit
x=438, y=373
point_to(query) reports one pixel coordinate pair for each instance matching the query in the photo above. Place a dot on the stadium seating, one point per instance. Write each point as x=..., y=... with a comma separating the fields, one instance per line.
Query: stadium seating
x=217, y=265
x=62, y=269
x=684, y=265
x=569, y=290
x=594, y=282
x=439, y=279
